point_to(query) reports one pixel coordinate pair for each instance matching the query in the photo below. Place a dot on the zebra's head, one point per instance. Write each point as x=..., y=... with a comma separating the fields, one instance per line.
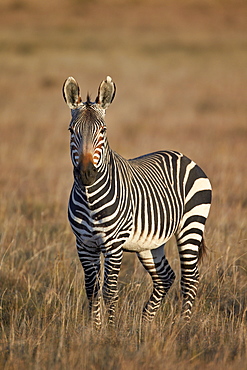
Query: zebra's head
x=88, y=128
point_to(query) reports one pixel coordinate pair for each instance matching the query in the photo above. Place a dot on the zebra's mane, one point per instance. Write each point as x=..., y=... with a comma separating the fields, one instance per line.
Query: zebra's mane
x=88, y=101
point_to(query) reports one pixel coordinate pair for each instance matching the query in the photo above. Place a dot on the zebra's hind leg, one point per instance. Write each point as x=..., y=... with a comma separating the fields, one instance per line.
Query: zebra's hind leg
x=90, y=260
x=190, y=247
x=162, y=275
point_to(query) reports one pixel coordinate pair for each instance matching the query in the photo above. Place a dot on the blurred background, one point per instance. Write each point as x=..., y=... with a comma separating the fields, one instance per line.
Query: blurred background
x=181, y=76
x=180, y=68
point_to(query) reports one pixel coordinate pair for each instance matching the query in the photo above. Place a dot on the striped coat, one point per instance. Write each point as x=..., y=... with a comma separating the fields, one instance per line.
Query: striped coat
x=132, y=205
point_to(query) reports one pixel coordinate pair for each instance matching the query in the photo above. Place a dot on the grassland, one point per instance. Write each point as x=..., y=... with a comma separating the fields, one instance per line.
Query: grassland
x=181, y=78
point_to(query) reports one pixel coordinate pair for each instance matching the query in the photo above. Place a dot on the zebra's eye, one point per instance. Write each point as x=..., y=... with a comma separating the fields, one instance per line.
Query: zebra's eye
x=103, y=130
x=70, y=130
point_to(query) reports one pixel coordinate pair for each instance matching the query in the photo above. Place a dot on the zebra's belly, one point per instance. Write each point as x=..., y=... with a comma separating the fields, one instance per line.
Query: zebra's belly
x=142, y=244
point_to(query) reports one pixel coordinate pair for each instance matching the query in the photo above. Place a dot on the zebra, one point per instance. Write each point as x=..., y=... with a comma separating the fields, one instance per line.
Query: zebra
x=133, y=205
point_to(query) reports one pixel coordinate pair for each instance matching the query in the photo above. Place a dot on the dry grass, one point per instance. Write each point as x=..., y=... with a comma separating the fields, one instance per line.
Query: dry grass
x=181, y=78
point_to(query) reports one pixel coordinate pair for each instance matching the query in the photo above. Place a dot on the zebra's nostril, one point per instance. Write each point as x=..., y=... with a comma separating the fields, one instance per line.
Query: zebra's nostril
x=92, y=169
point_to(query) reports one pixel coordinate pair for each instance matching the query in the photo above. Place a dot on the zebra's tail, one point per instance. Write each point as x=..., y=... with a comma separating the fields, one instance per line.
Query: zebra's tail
x=202, y=251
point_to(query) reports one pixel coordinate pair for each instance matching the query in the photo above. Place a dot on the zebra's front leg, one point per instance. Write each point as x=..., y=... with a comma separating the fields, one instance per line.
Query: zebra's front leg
x=162, y=275
x=90, y=260
x=110, y=288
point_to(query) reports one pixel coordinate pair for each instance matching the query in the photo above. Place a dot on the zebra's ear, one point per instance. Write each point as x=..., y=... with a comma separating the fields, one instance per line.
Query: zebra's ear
x=71, y=93
x=106, y=93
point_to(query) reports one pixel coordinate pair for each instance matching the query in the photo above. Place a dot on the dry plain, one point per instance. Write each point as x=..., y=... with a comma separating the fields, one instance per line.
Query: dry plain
x=181, y=77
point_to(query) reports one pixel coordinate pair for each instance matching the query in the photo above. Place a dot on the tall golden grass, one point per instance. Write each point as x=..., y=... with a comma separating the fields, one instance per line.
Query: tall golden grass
x=181, y=78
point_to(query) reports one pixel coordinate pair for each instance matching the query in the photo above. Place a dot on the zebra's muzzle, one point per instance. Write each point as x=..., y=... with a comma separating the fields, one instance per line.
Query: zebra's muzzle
x=86, y=176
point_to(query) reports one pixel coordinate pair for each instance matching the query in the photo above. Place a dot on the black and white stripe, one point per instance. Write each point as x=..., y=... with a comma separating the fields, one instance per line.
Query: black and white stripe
x=132, y=205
